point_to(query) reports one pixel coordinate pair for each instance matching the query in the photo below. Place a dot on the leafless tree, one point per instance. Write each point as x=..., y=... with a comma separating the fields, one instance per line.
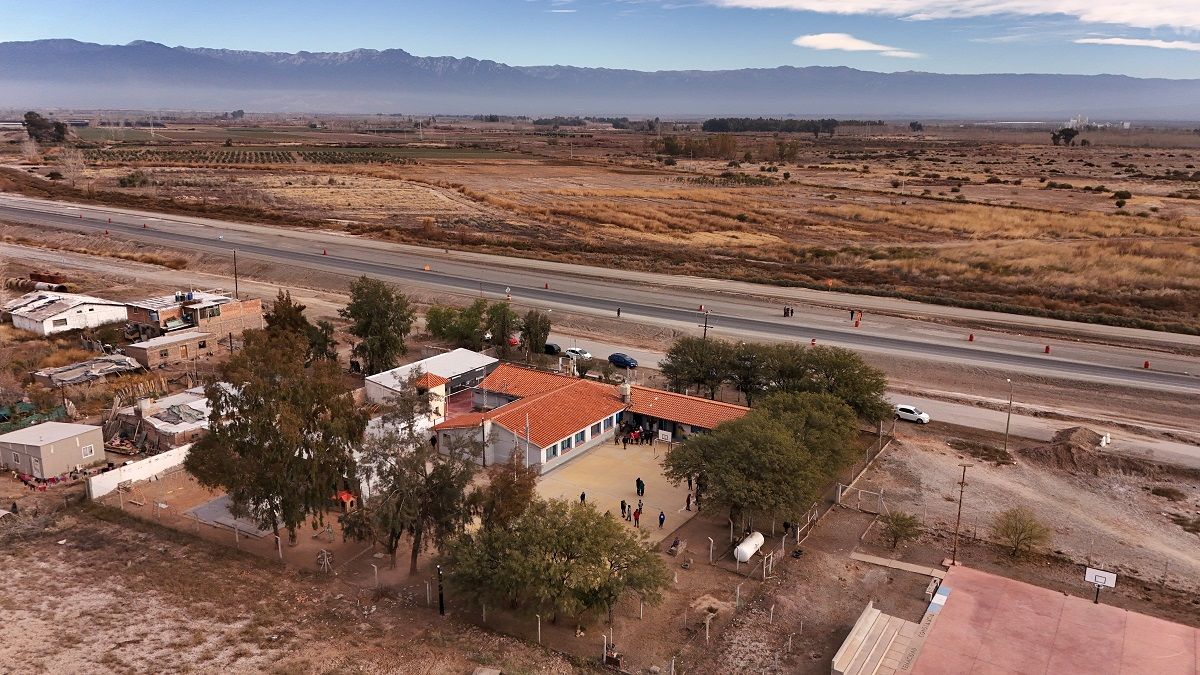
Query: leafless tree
x=30, y=152
x=73, y=164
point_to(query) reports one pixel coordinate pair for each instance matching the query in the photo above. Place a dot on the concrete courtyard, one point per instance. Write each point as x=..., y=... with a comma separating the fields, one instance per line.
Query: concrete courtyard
x=607, y=473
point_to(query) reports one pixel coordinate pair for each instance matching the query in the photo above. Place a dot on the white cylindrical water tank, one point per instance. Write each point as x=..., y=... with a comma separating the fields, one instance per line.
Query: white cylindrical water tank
x=748, y=547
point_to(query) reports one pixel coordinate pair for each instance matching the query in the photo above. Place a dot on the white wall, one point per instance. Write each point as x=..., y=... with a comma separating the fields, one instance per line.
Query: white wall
x=83, y=316
x=104, y=483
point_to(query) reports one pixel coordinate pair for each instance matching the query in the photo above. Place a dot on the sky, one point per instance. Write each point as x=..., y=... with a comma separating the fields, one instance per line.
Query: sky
x=1143, y=38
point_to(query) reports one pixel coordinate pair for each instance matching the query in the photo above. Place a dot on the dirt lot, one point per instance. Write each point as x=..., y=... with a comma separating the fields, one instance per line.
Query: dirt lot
x=986, y=219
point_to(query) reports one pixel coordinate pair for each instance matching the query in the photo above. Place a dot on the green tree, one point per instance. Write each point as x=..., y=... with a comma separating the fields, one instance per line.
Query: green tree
x=832, y=370
x=281, y=436
x=503, y=323
x=417, y=489
x=380, y=317
x=916, y=127
x=748, y=368
x=511, y=488
x=535, y=330
x=460, y=327
x=697, y=362
x=43, y=130
x=899, y=527
x=775, y=460
x=556, y=559
x=1020, y=530
x=584, y=366
x=288, y=315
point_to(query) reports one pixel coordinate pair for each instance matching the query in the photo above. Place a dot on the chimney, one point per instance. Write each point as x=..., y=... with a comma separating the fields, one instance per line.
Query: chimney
x=626, y=393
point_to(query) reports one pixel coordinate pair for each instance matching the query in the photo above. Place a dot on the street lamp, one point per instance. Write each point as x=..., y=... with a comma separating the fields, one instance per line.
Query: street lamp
x=1008, y=422
x=957, y=521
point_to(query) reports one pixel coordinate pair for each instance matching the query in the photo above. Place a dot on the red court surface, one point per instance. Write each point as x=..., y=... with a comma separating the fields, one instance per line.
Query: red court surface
x=995, y=625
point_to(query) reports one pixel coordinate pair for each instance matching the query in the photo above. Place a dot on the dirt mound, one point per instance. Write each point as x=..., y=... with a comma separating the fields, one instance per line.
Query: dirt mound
x=1077, y=450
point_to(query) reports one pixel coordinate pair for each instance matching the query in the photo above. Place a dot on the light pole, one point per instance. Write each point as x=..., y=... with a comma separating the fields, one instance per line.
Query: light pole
x=962, y=485
x=1008, y=422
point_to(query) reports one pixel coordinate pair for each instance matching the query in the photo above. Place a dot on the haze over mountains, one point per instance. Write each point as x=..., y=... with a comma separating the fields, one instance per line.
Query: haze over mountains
x=147, y=75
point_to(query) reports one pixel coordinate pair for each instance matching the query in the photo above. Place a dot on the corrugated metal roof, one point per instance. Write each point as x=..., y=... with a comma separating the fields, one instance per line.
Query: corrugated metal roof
x=46, y=432
x=42, y=305
x=448, y=365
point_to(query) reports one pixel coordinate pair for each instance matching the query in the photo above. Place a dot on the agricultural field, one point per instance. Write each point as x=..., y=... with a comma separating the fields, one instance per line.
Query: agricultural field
x=979, y=217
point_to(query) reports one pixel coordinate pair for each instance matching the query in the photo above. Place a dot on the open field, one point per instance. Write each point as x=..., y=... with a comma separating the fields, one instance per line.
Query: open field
x=983, y=218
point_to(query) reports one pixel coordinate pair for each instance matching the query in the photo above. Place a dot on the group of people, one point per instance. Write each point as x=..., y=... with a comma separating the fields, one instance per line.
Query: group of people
x=635, y=435
x=634, y=514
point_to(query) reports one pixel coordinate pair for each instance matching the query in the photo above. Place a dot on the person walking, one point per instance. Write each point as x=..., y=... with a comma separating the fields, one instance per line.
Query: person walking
x=689, y=502
x=640, y=508
x=618, y=312
x=689, y=483
x=624, y=442
x=582, y=497
x=662, y=518
x=623, y=505
x=641, y=487
x=637, y=518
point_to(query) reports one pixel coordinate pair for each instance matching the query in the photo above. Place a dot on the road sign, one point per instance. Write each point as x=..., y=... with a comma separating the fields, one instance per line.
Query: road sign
x=1100, y=578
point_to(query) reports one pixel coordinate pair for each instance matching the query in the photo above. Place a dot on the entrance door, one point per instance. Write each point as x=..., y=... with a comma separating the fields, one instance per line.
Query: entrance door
x=35, y=467
x=183, y=352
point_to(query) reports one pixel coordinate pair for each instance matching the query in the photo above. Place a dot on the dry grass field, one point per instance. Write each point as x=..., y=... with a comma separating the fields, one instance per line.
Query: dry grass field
x=979, y=216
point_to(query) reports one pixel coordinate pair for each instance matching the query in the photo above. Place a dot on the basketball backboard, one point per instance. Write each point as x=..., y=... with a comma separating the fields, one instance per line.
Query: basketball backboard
x=1100, y=577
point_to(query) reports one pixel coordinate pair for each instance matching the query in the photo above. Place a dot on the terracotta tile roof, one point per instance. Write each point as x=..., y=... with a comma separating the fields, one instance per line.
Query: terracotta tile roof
x=555, y=407
x=521, y=382
x=691, y=410
x=430, y=380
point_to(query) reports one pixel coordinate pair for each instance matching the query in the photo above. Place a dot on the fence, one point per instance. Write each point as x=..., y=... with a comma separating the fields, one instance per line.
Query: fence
x=104, y=483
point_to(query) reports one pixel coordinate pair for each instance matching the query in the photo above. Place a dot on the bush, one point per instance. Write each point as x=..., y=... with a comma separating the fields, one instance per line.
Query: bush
x=1173, y=494
x=900, y=526
x=1020, y=530
x=1120, y=203
x=55, y=175
x=1122, y=194
x=670, y=161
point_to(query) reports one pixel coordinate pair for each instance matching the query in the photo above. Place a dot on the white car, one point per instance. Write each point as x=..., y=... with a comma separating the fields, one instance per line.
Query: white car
x=577, y=353
x=911, y=413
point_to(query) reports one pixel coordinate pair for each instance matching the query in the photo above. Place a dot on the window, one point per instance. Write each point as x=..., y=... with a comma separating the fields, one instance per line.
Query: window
x=580, y=437
x=59, y=322
x=91, y=309
x=552, y=451
x=17, y=457
x=163, y=354
x=203, y=344
x=88, y=451
x=608, y=423
x=596, y=429
x=565, y=444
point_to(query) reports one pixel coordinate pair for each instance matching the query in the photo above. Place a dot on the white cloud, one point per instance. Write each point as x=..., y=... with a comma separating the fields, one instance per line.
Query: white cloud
x=848, y=43
x=1133, y=42
x=1180, y=14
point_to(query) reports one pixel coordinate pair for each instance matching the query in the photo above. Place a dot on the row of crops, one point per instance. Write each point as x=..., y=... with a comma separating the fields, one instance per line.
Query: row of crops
x=203, y=157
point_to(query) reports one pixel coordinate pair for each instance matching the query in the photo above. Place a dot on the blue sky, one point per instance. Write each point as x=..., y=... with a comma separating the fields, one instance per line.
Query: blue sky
x=1146, y=38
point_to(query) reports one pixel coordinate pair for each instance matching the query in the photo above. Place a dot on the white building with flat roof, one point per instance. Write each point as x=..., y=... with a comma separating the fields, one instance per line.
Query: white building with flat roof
x=49, y=312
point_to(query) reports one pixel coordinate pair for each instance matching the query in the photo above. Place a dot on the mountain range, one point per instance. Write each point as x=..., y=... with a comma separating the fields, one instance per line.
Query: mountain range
x=148, y=75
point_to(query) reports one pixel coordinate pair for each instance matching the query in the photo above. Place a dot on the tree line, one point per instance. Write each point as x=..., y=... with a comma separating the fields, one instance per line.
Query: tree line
x=767, y=124
x=754, y=369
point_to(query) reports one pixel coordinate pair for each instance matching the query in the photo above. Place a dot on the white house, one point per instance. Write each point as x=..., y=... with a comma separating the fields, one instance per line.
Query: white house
x=458, y=369
x=47, y=312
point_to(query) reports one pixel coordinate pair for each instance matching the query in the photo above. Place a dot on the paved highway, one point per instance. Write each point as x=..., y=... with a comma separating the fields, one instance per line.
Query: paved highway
x=600, y=292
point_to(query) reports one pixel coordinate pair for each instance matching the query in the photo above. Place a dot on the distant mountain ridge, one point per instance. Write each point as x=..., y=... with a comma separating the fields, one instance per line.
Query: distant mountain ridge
x=148, y=75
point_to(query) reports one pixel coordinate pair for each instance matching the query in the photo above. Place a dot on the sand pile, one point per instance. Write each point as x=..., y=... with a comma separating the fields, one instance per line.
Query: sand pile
x=1077, y=450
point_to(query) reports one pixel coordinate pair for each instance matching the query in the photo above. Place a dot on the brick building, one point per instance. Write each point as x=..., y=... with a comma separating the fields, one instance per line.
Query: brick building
x=173, y=348
x=193, y=311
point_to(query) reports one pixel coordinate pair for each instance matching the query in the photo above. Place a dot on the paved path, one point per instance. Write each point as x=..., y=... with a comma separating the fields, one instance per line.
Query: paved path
x=648, y=298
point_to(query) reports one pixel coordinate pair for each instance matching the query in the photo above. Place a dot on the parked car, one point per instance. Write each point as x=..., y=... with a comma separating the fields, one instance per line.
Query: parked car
x=622, y=360
x=910, y=413
x=578, y=353
x=553, y=349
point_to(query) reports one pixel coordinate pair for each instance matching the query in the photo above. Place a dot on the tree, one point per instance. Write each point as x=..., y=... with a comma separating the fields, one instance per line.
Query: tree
x=748, y=369
x=698, y=362
x=288, y=315
x=43, y=130
x=510, y=489
x=832, y=370
x=777, y=459
x=1020, y=530
x=380, y=317
x=503, y=323
x=557, y=558
x=900, y=526
x=916, y=127
x=416, y=490
x=535, y=330
x=584, y=366
x=460, y=327
x=73, y=164
x=30, y=152
x=281, y=437
x=1064, y=136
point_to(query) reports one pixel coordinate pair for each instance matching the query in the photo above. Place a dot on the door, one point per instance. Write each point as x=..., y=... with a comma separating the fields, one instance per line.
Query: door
x=183, y=352
x=35, y=465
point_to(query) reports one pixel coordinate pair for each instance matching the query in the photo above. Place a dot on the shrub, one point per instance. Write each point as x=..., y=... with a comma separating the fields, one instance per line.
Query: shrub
x=670, y=161
x=1122, y=194
x=1120, y=203
x=900, y=526
x=992, y=180
x=55, y=175
x=1020, y=530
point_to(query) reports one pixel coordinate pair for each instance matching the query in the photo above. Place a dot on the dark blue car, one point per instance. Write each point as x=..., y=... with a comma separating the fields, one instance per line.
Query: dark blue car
x=622, y=360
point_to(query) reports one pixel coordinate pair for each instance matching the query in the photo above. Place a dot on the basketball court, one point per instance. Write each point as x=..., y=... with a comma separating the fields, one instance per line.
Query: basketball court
x=990, y=624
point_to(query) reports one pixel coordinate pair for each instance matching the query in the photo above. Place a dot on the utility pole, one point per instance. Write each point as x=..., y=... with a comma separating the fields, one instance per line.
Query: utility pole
x=235, y=276
x=1008, y=422
x=962, y=485
x=705, y=325
x=441, y=594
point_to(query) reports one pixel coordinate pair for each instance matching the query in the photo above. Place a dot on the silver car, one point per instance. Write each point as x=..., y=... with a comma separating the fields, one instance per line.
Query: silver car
x=910, y=413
